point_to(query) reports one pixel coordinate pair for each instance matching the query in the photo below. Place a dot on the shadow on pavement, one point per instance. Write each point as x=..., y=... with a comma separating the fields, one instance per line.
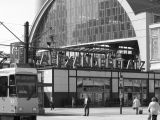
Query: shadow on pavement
x=59, y=114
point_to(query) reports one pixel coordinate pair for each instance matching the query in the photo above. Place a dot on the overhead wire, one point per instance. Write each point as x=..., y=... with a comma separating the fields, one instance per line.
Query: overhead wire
x=15, y=24
x=11, y=32
x=2, y=23
x=121, y=3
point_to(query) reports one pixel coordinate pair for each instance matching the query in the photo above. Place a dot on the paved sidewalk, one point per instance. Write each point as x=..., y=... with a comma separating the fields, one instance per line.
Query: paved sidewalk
x=95, y=114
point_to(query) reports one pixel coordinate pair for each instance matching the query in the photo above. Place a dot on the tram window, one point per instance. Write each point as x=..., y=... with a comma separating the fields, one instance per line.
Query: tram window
x=26, y=86
x=12, y=91
x=12, y=80
x=12, y=87
x=3, y=86
x=26, y=89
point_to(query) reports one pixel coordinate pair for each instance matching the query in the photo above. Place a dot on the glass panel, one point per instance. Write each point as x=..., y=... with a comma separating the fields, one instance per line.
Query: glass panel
x=137, y=86
x=98, y=90
x=151, y=86
x=29, y=78
x=154, y=49
x=12, y=86
x=12, y=91
x=26, y=89
x=73, y=13
x=12, y=80
x=157, y=89
x=26, y=86
x=134, y=88
x=156, y=18
x=3, y=86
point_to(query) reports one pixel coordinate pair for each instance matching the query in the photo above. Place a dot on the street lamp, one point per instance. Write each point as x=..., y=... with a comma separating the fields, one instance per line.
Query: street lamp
x=121, y=90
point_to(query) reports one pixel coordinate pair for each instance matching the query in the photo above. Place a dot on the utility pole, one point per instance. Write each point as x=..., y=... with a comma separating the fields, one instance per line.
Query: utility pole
x=26, y=42
x=121, y=91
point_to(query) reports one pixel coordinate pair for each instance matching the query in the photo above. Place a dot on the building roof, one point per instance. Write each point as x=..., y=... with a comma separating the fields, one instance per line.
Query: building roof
x=139, y=6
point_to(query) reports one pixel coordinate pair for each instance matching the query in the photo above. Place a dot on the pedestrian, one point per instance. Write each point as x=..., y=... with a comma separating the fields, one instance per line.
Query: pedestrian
x=51, y=104
x=87, y=102
x=73, y=102
x=153, y=109
x=136, y=104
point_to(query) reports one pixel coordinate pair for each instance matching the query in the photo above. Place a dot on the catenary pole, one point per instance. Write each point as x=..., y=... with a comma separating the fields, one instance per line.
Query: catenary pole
x=26, y=41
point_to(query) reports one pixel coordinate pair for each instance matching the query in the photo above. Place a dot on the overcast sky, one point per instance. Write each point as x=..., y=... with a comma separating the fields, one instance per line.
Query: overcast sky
x=14, y=13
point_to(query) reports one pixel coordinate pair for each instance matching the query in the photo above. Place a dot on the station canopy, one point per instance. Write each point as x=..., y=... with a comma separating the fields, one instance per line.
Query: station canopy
x=100, y=48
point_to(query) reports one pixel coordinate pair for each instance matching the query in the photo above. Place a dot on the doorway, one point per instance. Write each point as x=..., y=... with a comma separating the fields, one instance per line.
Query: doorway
x=98, y=89
x=134, y=88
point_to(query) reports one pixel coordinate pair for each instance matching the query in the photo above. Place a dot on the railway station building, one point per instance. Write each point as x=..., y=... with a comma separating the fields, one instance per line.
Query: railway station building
x=104, y=48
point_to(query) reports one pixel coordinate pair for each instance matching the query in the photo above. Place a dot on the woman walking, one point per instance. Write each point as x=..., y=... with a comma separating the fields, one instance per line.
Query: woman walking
x=136, y=104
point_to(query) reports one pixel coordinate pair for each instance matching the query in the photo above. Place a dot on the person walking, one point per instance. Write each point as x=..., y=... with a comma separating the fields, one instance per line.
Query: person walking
x=73, y=102
x=87, y=101
x=136, y=104
x=51, y=104
x=153, y=109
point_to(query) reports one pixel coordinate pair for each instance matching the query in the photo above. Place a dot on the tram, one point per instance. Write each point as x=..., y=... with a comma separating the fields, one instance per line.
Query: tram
x=18, y=93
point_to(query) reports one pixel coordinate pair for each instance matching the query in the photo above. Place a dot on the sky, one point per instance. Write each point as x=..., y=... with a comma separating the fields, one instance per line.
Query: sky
x=14, y=14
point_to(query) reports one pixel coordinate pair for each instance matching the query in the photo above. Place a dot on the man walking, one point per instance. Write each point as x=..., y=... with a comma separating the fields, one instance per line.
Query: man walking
x=154, y=108
x=86, y=105
x=51, y=103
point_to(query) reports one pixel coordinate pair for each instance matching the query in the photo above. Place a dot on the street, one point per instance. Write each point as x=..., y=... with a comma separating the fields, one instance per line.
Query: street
x=95, y=114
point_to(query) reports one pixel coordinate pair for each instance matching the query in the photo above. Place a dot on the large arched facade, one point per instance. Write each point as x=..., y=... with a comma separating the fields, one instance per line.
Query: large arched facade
x=117, y=25
x=67, y=23
x=82, y=21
